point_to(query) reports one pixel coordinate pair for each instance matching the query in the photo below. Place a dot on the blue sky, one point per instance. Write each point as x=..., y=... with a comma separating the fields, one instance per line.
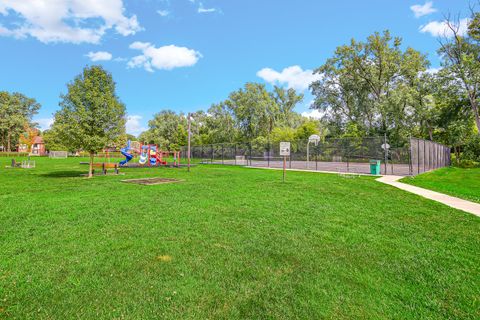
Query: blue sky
x=185, y=55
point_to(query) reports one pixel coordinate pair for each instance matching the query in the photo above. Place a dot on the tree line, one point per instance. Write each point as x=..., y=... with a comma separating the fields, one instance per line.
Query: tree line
x=367, y=88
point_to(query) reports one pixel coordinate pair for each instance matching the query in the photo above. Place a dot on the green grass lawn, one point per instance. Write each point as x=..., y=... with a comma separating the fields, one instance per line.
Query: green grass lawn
x=462, y=183
x=229, y=243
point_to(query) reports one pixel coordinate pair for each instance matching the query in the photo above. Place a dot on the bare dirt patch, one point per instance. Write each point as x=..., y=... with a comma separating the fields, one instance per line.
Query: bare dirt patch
x=152, y=181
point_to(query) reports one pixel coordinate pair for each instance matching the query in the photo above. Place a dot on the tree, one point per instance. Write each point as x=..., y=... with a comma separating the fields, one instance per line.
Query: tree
x=16, y=112
x=92, y=116
x=286, y=101
x=461, y=61
x=220, y=124
x=167, y=129
x=369, y=84
x=255, y=111
x=53, y=140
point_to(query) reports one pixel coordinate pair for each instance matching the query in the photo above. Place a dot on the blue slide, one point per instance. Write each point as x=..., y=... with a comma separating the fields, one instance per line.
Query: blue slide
x=127, y=155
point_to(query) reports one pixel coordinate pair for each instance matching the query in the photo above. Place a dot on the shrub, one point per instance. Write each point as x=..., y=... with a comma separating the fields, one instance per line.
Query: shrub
x=471, y=150
x=467, y=164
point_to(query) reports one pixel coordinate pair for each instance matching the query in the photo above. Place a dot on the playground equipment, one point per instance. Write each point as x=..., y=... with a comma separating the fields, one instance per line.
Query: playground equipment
x=25, y=164
x=149, y=155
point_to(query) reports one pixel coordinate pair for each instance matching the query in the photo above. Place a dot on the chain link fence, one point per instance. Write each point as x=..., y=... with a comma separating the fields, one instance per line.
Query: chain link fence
x=343, y=155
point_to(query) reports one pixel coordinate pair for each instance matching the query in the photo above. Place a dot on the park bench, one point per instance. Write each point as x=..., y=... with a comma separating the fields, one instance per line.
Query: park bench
x=104, y=167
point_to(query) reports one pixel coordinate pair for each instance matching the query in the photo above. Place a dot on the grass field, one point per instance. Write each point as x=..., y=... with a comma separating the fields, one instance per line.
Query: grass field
x=457, y=182
x=229, y=243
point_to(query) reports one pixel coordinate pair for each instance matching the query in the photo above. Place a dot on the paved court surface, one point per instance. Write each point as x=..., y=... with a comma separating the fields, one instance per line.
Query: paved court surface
x=341, y=167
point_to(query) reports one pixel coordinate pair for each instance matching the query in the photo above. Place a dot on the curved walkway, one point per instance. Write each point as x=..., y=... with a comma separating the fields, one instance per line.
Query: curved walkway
x=457, y=203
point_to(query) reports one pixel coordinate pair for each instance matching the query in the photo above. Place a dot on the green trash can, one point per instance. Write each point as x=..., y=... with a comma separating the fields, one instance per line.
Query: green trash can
x=375, y=167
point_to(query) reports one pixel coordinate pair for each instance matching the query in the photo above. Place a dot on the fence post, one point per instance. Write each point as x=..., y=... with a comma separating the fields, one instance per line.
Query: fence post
x=410, y=161
x=418, y=156
x=223, y=155
x=386, y=152
x=424, y=145
x=268, y=153
x=250, y=147
x=290, y=158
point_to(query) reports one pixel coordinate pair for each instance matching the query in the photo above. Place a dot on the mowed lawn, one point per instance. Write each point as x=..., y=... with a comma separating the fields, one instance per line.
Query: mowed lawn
x=229, y=243
x=457, y=182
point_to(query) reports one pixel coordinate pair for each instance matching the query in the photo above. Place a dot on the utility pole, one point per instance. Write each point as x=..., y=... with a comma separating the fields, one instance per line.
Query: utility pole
x=189, y=139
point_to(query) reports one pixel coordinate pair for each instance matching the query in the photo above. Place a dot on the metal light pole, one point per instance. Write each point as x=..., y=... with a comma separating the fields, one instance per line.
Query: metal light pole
x=189, y=136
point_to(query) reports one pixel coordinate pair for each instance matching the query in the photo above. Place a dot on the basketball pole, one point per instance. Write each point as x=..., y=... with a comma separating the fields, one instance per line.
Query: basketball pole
x=189, y=135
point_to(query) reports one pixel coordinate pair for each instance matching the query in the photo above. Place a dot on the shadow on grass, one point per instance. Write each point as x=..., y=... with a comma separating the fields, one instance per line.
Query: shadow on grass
x=63, y=174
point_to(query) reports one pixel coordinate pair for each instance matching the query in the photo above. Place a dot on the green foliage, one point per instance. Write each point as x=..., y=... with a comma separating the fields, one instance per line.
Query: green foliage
x=280, y=134
x=471, y=149
x=16, y=112
x=249, y=114
x=372, y=85
x=461, y=64
x=53, y=140
x=306, y=129
x=467, y=164
x=167, y=129
x=255, y=111
x=91, y=117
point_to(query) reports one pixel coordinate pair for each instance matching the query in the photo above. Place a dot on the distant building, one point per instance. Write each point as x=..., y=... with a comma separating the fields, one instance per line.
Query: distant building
x=38, y=147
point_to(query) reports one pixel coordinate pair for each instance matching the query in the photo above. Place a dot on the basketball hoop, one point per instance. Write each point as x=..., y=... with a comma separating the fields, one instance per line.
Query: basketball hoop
x=314, y=138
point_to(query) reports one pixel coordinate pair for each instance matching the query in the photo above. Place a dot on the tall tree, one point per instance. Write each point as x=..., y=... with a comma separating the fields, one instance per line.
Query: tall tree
x=167, y=129
x=92, y=117
x=461, y=61
x=254, y=109
x=16, y=112
x=286, y=101
x=221, y=124
x=368, y=83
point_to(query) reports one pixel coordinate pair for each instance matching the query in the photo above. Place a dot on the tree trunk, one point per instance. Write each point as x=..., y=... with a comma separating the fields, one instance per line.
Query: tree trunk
x=474, y=103
x=90, y=170
x=8, y=142
x=430, y=133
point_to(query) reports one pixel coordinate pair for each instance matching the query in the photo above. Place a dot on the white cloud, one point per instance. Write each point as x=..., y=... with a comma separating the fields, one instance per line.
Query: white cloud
x=433, y=70
x=134, y=125
x=163, y=13
x=99, y=56
x=293, y=77
x=315, y=114
x=162, y=58
x=201, y=9
x=67, y=20
x=426, y=9
x=441, y=28
x=44, y=123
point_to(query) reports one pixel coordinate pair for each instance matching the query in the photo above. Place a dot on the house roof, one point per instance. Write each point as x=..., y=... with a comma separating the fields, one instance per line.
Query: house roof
x=38, y=140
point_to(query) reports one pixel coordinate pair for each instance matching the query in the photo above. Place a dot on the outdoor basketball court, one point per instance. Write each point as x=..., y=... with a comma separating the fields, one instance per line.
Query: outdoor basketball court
x=341, y=167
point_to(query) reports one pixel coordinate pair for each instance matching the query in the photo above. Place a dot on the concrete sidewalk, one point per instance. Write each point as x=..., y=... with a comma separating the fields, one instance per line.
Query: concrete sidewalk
x=457, y=203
